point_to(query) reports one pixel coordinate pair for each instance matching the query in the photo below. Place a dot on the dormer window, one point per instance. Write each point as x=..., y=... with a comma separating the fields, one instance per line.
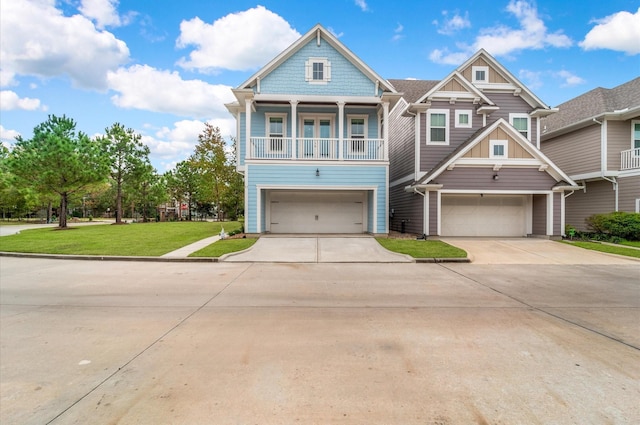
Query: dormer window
x=480, y=74
x=498, y=149
x=318, y=71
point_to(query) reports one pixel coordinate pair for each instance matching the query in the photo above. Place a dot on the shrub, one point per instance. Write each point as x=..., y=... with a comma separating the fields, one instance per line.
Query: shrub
x=616, y=224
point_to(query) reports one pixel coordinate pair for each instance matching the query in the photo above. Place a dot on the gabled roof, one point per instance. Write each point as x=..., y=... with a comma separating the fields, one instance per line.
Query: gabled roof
x=526, y=94
x=594, y=104
x=456, y=76
x=478, y=136
x=313, y=33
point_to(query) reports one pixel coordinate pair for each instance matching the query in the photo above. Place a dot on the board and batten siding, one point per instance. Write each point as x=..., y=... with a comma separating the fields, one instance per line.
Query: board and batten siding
x=618, y=140
x=599, y=198
x=471, y=178
x=401, y=143
x=629, y=192
x=407, y=207
x=494, y=77
x=577, y=152
x=289, y=77
x=304, y=176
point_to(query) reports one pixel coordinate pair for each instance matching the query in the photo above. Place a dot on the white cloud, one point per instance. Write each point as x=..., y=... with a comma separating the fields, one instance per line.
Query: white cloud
x=144, y=87
x=175, y=144
x=502, y=40
x=569, y=78
x=9, y=100
x=532, y=79
x=37, y=39
x=335, y=33
x=398, y=33
x=238, y=41
x=620, y=32
x=362, y=4
x=103, y=12
x=7, y=137
x=453, y=24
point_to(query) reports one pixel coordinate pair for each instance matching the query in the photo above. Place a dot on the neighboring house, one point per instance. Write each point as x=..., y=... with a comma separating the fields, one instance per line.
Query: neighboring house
x=311, y=141
x=465, y=157
x=595, y=138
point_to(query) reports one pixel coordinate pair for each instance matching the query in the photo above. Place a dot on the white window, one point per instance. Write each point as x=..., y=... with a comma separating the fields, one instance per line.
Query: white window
x=480, y=74
x=317, y=136
x=463, y=118
x=318, y=71
x=498, y=149
x=635, y=134
x=357, y=132
x=438, y=127
x=276, y=127
x=522, y=123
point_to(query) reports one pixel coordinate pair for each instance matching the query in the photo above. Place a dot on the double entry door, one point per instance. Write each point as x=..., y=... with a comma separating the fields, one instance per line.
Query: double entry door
x=317, y=138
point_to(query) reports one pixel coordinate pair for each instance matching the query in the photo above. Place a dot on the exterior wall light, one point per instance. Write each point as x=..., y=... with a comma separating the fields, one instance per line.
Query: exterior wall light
x=317, y=172
x=496, y=177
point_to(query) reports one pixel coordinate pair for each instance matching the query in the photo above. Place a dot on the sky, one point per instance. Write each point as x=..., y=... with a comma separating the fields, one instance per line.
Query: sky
x=165, y=68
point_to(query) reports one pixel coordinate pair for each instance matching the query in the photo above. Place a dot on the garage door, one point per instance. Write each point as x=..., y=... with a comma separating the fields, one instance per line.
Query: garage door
x=488, y=215
x=316, y=212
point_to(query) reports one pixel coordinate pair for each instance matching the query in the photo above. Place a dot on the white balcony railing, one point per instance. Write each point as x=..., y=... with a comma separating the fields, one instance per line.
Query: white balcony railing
x=630, y=159
x=316, y=149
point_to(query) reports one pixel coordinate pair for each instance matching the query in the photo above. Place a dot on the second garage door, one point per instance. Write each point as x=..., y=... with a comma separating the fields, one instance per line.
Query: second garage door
x=488, y=215
x=316, y=212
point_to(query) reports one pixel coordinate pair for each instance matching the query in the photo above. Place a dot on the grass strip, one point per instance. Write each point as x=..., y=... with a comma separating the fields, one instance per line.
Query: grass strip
x=136, y=239
x=422, y=249
x=619, y=250
x=225, y=246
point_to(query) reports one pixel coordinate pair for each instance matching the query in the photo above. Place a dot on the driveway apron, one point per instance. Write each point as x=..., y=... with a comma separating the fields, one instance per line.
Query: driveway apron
x=317, y=249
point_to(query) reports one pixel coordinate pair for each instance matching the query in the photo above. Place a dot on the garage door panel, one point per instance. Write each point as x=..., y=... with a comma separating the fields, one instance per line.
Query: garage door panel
x=316, y=212
x=488, y=215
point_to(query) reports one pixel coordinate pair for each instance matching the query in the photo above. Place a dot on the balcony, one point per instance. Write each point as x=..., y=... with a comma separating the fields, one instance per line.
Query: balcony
x=630, y=159
x=316, y=149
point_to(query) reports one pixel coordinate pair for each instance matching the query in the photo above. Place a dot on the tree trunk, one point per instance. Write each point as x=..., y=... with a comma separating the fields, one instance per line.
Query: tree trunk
x=49, y=211
x=62, y=219
x=119, y=203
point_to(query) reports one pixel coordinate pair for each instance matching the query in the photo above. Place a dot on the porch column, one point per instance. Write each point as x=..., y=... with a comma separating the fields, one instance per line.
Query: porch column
x=385, y=129
x=340, y=130
x=294, y=128
x=247, y=126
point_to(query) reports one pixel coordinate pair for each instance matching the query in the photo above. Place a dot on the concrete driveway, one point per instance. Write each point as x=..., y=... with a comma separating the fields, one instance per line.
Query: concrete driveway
x=317, y=249
x=241, y=343
x=531, y=251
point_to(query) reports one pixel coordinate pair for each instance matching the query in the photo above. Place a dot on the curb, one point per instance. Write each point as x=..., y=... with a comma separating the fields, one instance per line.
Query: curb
x=443, y=260
x=112, y=258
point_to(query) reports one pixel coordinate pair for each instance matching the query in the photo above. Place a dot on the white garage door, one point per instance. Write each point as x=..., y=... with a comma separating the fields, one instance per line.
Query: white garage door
x=316, y=212
x=488, y=215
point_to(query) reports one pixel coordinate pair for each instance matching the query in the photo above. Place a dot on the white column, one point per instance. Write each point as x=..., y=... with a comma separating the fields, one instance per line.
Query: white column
x=294, y=128
x=340, y=130
x=385, y=108
x=247, y=126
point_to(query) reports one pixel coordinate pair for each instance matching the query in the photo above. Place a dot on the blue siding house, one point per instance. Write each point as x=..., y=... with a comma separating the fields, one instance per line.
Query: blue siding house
x=313, y=143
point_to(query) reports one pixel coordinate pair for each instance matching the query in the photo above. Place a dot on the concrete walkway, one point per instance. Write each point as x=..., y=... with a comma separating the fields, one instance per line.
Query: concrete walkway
x=190, y=249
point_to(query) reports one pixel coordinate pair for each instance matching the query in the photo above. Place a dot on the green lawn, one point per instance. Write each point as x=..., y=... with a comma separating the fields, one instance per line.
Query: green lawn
x=137, y=239
x=422, y=249
x=631, y=243
x=620, y=250
x=226, y=246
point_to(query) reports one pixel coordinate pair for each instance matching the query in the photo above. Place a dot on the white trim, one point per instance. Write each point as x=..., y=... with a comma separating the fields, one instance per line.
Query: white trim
x=315, y=162
x=326, y=70
x=396, y=182
x=493, y=144
x=365, y=135
x=603, y=146
x=550, y=214
x=267, y=129
x=418, y=145
x=633, y=124
x=562, y=213
x=446, y=126
x=521, y=115
x=475, y=68
x=439, y=213
x=386, y=207
x=425, y=213
x=316, y=98
x=638, y=205
x=459, y=112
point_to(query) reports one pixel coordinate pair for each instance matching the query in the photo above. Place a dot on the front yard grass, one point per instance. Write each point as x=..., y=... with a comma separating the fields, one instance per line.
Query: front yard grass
x=610, y=249
x=422, y=249
x=225, y=246
x=137, y=239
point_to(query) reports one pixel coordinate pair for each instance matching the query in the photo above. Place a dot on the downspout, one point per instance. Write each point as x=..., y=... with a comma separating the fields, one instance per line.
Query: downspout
x=615, y=188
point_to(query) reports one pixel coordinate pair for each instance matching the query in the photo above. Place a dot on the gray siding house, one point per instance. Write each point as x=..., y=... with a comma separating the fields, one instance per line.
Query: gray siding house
x=595, y=138
x=465, y=157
